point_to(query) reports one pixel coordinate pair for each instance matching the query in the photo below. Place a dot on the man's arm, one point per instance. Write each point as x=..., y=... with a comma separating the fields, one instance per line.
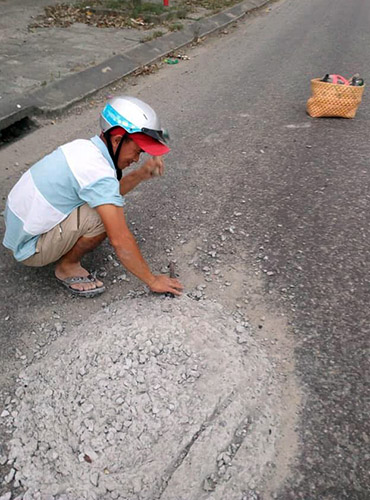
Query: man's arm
x=129, y=254
x=151, y=168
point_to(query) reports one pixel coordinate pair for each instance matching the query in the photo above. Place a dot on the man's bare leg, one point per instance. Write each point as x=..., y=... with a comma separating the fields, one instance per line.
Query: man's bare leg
x=70, y=264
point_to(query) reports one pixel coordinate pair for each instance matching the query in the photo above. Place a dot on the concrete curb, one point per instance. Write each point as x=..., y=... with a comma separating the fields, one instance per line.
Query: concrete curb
x=58, y=96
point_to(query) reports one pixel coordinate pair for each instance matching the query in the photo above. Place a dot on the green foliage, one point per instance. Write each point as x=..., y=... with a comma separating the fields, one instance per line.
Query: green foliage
x=153, y=36
x=175, y=27
x=117, y=4
x=213, y=5
x=148, y=8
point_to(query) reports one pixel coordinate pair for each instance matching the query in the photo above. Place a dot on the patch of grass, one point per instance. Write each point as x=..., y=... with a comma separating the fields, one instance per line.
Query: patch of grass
x=114, y=4
x=213, y=5
x=176, y=27
x=182, y=12
x=153, y=36
x=148, y=8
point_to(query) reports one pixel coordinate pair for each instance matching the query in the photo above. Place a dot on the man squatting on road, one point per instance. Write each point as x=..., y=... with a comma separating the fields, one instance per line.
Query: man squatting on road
x=68, y=202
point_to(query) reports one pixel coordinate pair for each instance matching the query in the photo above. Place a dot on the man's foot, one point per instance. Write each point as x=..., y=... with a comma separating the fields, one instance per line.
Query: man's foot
x=78, y=279
x=69, y=282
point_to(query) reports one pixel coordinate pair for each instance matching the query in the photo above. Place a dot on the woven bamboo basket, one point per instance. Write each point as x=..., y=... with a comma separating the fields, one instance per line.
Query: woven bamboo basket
x=333, y=100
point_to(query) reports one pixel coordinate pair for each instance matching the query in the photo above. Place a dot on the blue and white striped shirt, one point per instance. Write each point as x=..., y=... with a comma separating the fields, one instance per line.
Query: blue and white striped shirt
x=79, y=172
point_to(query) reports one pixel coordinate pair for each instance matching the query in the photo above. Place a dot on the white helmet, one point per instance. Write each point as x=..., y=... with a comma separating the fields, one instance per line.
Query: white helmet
x=133, y=115
x=139, y=120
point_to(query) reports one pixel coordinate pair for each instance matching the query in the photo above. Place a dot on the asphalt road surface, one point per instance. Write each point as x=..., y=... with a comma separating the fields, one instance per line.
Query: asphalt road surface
x=243, y=144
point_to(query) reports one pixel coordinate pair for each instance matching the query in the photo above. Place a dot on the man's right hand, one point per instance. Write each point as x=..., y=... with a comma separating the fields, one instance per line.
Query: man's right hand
x=129, y=254
x=163, y=284
x=152, y=168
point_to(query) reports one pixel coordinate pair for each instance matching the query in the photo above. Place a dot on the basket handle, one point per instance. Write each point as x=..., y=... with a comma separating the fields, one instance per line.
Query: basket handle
x=338, y=78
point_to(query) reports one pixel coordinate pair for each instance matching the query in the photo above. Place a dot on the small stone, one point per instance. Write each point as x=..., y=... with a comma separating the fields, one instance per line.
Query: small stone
x=59, y=327
x=221, y=471
x=8, y=478
x=123, y=277
x=142, y=359
x=242, y=340
x=89, y=452
x=94, y=478
x=7, y=496
x=209, y=484
x=5, y=413
x=136, y=484
x=87, y=407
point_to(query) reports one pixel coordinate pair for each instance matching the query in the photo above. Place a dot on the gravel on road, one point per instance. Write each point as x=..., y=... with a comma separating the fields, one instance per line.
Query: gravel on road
x=162, y=398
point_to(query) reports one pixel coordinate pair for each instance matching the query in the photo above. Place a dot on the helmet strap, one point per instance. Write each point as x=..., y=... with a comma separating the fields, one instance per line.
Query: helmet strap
x=115, y=155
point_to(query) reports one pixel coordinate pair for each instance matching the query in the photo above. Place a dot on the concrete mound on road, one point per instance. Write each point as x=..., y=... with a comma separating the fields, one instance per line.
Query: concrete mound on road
x=163, y=398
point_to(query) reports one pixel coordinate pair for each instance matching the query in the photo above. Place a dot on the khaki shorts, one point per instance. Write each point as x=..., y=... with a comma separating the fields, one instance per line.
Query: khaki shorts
x=51, y=246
